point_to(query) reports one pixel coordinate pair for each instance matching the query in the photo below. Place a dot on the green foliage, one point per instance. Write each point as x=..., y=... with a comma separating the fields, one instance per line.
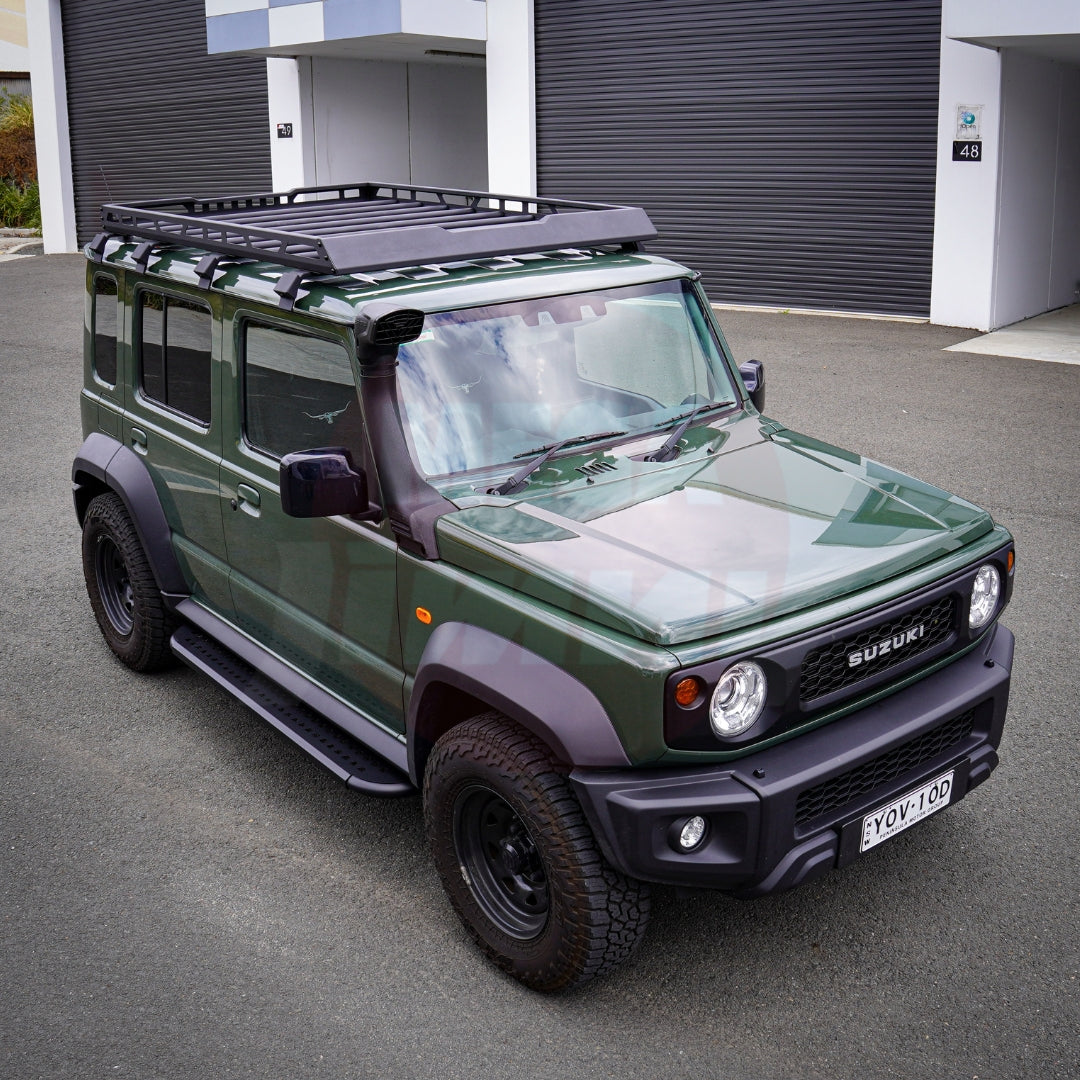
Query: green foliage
x=18, y=161
x=20, y=207
x=16, y=113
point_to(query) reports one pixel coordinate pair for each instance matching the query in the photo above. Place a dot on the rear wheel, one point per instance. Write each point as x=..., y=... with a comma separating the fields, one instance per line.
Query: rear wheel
x=127, y=603
x=519, y=861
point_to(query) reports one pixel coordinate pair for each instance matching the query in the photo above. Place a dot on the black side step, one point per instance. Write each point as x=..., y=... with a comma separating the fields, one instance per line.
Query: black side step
x=332, y=747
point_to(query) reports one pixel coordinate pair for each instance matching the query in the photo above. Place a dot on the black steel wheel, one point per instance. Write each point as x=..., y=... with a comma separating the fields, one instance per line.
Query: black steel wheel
x=123, y=594
x=519, y=861
x=502, y=861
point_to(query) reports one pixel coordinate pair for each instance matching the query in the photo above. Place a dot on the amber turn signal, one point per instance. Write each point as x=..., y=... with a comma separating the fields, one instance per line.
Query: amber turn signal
x=1010, y=559
x=687, y=691
x=423, y=615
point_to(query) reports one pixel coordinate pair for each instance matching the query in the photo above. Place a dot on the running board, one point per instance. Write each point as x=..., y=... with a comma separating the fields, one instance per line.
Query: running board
x=335, y=749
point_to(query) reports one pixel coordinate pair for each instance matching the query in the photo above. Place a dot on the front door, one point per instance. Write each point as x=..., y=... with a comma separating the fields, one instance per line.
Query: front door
x=321, y=593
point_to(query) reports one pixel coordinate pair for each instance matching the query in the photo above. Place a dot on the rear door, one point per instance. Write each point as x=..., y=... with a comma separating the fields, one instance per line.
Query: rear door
x=319, y=592
x=174, y=422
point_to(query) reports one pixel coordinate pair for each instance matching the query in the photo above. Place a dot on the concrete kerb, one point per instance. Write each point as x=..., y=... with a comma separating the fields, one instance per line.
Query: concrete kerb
x=20, y=243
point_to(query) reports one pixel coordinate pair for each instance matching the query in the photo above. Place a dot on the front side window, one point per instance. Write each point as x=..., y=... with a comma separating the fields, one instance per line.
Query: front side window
x=174, y=353
x=106, y=328
x=299, y=392
x=483, y=386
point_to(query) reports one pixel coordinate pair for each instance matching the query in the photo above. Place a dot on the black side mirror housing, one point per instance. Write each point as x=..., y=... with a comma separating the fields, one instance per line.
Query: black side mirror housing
x=753, y=377
x=324, y=482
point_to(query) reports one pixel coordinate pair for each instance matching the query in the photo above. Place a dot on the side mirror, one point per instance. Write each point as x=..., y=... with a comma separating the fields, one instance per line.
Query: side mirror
x=322, y=483
x=753, y=377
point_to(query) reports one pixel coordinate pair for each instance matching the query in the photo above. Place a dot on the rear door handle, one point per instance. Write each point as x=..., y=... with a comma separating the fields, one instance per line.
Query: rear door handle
x=138, y=440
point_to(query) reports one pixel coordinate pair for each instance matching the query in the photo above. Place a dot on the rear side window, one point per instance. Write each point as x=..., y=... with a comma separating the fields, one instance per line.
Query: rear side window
x=298, y=392
x=174, y=353
x=106, y=325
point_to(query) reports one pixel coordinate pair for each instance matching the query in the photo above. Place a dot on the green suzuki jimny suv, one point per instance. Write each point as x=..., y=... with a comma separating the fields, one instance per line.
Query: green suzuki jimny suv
x=465, y=494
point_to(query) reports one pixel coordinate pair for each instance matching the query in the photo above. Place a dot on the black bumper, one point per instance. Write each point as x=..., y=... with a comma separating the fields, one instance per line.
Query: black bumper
x=785, y=815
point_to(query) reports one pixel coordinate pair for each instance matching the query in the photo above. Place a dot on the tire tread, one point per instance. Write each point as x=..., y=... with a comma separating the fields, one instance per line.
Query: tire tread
x=603, y=913
x=146, y=648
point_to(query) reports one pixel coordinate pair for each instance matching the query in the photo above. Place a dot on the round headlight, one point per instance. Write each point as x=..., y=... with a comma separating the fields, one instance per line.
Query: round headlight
x=738, y=699
x=984, y=597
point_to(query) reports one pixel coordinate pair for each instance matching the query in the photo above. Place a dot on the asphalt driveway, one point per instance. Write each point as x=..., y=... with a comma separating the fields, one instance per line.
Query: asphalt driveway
x=183, y=894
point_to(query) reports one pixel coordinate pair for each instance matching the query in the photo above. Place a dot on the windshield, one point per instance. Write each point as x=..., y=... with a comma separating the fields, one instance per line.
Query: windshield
x=483, y=386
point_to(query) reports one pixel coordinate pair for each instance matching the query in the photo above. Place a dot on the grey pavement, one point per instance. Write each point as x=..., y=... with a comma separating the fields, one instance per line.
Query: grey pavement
x=183, y=894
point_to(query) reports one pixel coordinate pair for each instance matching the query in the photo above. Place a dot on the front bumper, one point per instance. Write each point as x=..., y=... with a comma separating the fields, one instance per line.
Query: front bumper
x=783, y=816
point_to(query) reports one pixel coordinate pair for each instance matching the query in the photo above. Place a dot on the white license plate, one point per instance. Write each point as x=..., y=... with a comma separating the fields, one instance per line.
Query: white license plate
x=885, y=822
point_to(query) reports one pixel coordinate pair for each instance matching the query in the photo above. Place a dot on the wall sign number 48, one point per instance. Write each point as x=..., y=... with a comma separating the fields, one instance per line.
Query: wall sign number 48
x=967, y=150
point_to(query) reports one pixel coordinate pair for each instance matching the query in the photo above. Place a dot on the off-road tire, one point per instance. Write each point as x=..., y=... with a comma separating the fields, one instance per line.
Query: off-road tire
x=127, y=603
x=520, y=862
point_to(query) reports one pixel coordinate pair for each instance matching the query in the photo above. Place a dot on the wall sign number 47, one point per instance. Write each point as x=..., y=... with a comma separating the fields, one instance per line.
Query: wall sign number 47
x=967, y=150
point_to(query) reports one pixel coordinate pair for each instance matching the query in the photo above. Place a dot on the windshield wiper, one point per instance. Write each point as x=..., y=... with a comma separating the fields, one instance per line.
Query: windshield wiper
x=670, y=448
x=517, y=481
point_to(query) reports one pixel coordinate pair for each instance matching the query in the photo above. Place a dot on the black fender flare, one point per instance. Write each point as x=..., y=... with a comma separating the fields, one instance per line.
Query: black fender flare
x=530, y=690
x=103, y=461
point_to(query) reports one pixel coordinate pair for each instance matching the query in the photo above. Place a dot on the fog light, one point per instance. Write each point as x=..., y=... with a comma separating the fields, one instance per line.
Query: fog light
x=692, y=834
x=984, y=597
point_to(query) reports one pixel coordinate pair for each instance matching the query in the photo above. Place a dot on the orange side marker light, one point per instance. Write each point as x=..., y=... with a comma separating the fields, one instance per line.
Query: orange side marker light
x=687, y=691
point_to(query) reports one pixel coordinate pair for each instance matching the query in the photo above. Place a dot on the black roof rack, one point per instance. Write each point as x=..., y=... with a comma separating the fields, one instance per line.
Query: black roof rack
x=373, y=226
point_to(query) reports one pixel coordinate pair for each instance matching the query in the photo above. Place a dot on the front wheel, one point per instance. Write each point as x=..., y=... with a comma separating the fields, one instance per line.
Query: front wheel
x=127, y=603
x=519, y=861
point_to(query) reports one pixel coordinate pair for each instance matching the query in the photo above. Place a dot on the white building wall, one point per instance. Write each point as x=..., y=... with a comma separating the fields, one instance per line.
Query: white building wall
x=378, y=120
x=997, y=21
x=1038, y=249
x=511, y=97
x=448, y=126
x=288, y=84
x=966, y=202
x=1007, y=230
x=14, y=51
x=55, y=186
x=1065, y=256
x=361, y=120
x=13, y=57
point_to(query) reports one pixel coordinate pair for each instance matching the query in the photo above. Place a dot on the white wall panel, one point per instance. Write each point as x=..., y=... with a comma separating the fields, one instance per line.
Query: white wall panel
x=1031, y=217
x=361, y=120
x=448, y=125
x=407, y=123
x=1065, y=255
x=966, y=202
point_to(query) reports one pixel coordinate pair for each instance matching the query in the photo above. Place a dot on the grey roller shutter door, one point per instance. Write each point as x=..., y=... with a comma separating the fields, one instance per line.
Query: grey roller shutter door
x=785, y=149
x=151, y=114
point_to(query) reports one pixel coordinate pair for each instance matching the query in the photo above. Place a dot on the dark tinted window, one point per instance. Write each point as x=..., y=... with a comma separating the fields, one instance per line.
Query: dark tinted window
x=151, y=342
x=174, y=353
x=298, y=392
x=106, y=328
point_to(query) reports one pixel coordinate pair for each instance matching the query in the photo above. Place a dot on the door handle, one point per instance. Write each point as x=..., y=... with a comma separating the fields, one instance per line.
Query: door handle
x=248, y=498
x=138, y=440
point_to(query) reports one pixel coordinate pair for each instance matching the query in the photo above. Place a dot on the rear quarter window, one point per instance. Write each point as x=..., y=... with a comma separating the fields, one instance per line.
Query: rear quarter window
x=105, y=328
x=174, y=339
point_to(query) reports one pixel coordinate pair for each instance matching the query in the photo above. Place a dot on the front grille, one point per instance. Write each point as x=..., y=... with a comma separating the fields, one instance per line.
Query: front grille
x=860, y=781
x=826, y=670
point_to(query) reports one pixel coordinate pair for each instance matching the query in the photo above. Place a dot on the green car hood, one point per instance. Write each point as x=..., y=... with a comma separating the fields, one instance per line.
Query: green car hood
x=753, y=522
